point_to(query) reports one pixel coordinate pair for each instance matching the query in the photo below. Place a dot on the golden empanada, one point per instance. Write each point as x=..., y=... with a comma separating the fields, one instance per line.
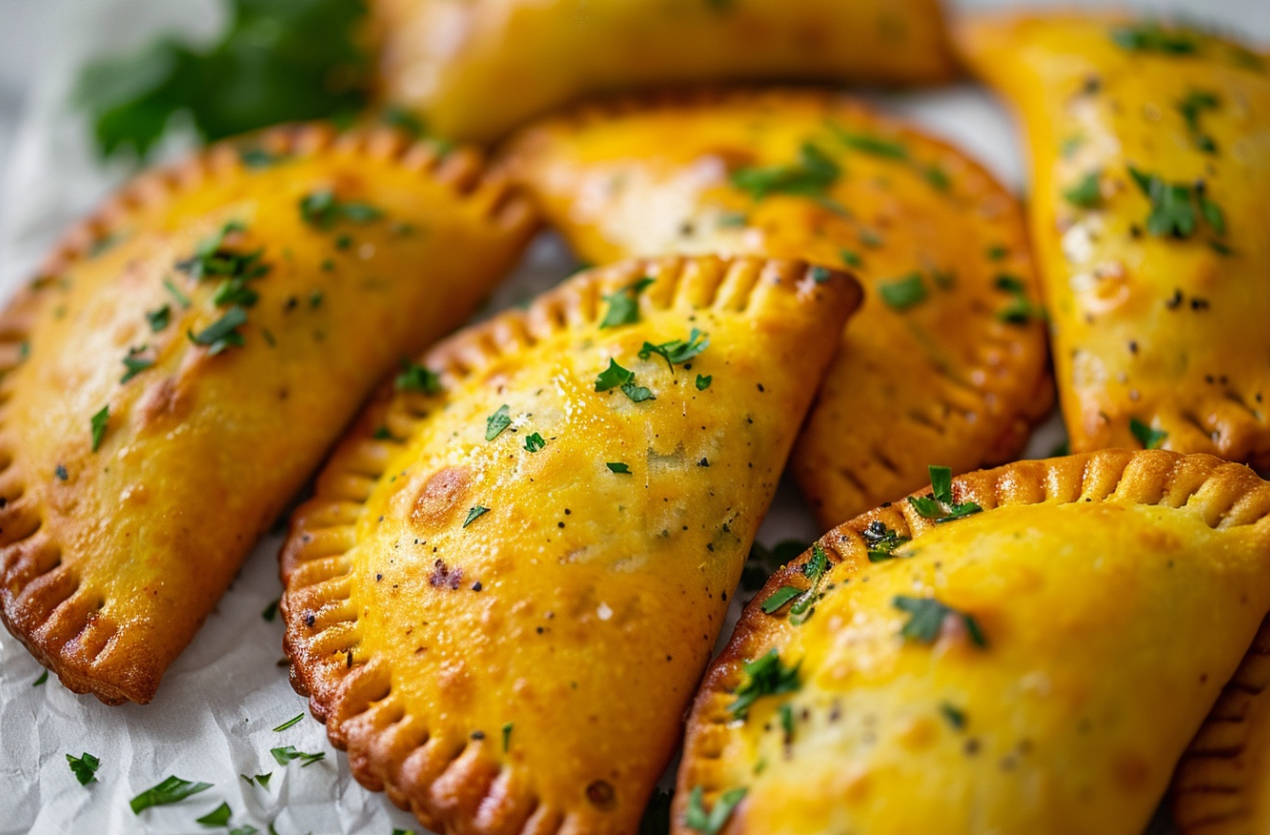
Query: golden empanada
x=1021, y=650
x=473, y=69
x=946, y=361
x=1222, y=785
x=1150, y=151
x=502, y=596
x=190, y=353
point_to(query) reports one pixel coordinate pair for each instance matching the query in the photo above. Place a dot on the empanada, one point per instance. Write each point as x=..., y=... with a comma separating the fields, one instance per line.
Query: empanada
x=946, y=361
x=1222, y=785
x=503, y=594
x=189, y=354
x=1021, y=650
x=1150, y=151
x=474, y=69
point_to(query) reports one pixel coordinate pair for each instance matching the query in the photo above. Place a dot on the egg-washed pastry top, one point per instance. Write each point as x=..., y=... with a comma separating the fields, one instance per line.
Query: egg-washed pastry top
x=191, y=351
x=502, y=596
x=474, y=69
x=947, y=359
x=1026, y=649
x=1150, y=148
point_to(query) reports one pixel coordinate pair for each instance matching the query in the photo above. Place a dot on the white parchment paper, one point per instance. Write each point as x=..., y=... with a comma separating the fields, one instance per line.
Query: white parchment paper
x=213, y=717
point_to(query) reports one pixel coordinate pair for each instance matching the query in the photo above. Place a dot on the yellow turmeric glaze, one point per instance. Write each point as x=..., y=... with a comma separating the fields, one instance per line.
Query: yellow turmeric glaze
x=180, y=376
x=1038, y=666
x=502, y=597
x=946, y=361
x=473, y=69
x=1150, y=153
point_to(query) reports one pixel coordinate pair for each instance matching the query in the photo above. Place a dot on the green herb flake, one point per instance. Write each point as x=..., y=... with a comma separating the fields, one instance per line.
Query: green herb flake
x=289, y=723
x=181, y=299
x=820, y=274
x=882, y=541
x=1086, y=193
x=160, y=318
x=704, y=381
x=926, y=618
x=84, y=767
x=1071, y=145
x=289, y=753
x=415, y=377
x=997, y=252
x=936, y=177
x=271, y=611
x=217, y=817
x=497, y=422
x=624, y=304
x=1148, y=437
x=956, y=718
x=1173, y=206
x=223, y=333
x=44, y=676
x=322, y=210
x=870, y=238
x=507, y=737
x=1151, y=37
x=811, y=176
x=779, y=598
x=677, y=351
x=1196, y=103
x=534, y=443
x=618, y=467
x=637, y=394
x=850, y=258
x=474, y=514
x=261, y=780
x=98, y=423
x=903, y=293
x=698, y=819
x=613, y=377
x=171, y=790
x=733, y=220
x=766, y=676
x=870, y=144
x=939, y=505
x=135, y=364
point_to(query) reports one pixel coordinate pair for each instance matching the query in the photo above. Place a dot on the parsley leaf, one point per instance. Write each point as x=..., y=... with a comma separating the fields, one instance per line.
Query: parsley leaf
x=212, y=258
x=779, y=598
x=474, y=514
x=99, y=422
x=624, y=304
x=135, y=364
x=271, y=611
x=869, y=144
x=704, y=381
x=44, y=676
x=415, y=377
x=940, y=506
x=1151, y=37
x=171, y=790
x=497, y=422
x=613, y=376
x=1148, y=437
x=903, y=293
x=322, y=209
x=84, y=767
x=289, y=723
x=1171, y=209
x=223, y=333
x=926, y=618
x=711, y=823
x=217, y=817
x=850, y=257
x=815, y=569
x=618, y=467
x=534, y=443
x=766, y=676
x=261, y=780
x=277, y=61
x=1196, y=103
x=882, y=541
x=1086, y=193
x=159, y=319
x=811, y=176
x=180, y=297
x=507, y=736
x=637, y=394
x=287, y=754
x=677, y=351
x=956, y=718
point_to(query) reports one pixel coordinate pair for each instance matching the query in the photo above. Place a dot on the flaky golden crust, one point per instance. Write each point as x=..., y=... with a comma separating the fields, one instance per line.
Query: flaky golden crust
x=1155, y=279
x=1046, y=724
x=1222, y=784
x=449, y=61
x=943, y=379
x=140, y=465
x=503, y=622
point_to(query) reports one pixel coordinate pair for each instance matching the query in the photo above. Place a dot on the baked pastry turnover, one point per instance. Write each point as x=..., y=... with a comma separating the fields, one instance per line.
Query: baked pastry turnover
x=504, y=592
x=1150, y=152
x=450, y=60
x=946, y=361
x=1027, y=649
x=188, y=355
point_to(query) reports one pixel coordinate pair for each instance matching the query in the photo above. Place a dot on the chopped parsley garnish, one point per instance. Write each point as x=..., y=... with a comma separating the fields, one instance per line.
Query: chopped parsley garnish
x=234, y=291
x=997, y=252
x=903, y=293
x=181, y=299
x=1151, y=37
x=811, y=176
x=870, y=238
x=1020, y=310
x=507, y=737
x=733, y=219
x=415, y=377
x=135, y=364
x=1009, y=284
x=474, y=514
x=1087, y=192
x=213, y=259
x=882, y=541
x=160, y=318
x=217, y=817
x=322, y=209
x=289, y=723
x=677, y=351
x=939, y=505
x=171, y=790
x=815, y=569
x=1196, y=103
x=497, y=422
x=1173, y=206
x=850, y=257
x=287, y=754
x=956, y=718
x=698, y=819
x=261, y=780
x=937, y=177
x=869, y=144
x=271, y=611
x=534, y=442
x=1148, y=437
x=704, y=381
x=615, y=376
x=44, y=676
x=618, y=467
x=624, y=304
x=766, y=676
x=223, y=333
x=84, y=767
x=926, y=618
x=779, y=598
x=98, y=422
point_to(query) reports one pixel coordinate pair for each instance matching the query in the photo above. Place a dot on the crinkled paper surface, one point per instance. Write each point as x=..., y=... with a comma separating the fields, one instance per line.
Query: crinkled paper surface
x=213, y=717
